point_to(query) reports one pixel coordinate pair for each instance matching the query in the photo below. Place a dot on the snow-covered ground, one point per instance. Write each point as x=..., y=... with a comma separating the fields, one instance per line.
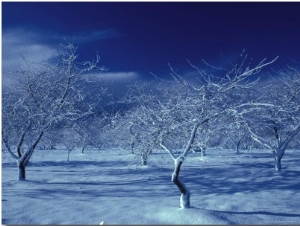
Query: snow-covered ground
x=106, y=187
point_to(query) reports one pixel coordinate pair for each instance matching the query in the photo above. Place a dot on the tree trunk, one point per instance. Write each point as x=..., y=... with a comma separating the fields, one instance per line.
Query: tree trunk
x=185, y=199
x=277, y=162
x=132, y=147
x=23, y=160
x=69, y=152
x=83, y=148
x=144, y=158
x=22, y=171
x=238, y=144
x=185, y=193
x=203, y=152
x=278, y=154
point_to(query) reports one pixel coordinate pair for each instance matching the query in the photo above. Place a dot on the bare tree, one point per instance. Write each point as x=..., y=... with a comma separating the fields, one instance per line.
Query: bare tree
x=46, y=95
x=274, y=128
x=179, y=108
x=128, y=133
x=91, y=130
x=51, y=139
x=70, y=140
x=236, y=137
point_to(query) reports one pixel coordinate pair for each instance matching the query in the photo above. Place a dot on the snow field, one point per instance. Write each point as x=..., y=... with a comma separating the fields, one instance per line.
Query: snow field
x=108, y=186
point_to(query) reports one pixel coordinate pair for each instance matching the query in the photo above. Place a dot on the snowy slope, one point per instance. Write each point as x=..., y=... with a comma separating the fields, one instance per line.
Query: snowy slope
x=107, y=186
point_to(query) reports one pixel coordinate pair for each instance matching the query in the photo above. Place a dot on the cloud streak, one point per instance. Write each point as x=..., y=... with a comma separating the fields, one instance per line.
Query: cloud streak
x=89, y=36
x=119, y=76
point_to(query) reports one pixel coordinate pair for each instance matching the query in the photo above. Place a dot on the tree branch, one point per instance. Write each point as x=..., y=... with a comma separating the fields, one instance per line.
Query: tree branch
x=7, y=146
x=287, y=140
x=168, y=150
x=191, y=140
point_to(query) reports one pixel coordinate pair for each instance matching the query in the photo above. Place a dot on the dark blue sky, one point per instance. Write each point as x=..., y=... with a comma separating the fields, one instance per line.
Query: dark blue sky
x=143, y=37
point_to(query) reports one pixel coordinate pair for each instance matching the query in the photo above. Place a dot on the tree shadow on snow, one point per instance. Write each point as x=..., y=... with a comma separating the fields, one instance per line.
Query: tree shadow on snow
x=239, y=177
x=254, y=213
x=91, y=180
x=113, y=178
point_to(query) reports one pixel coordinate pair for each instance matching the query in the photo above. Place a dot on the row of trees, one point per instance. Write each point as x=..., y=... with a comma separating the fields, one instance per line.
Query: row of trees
x=49, y=105
x=180, y=114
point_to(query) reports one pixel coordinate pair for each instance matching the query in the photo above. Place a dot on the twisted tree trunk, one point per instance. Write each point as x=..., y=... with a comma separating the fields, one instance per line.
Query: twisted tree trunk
x=185, y=192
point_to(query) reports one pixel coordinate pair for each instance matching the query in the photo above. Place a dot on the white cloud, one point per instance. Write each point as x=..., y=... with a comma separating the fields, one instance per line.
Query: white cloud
x=17, y=44
x=33, y=46
x=116, y=82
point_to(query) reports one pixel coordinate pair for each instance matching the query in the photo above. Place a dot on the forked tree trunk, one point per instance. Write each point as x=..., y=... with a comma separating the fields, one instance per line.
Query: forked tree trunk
x=282, y=146
x=185, y=193
x=24, y=158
